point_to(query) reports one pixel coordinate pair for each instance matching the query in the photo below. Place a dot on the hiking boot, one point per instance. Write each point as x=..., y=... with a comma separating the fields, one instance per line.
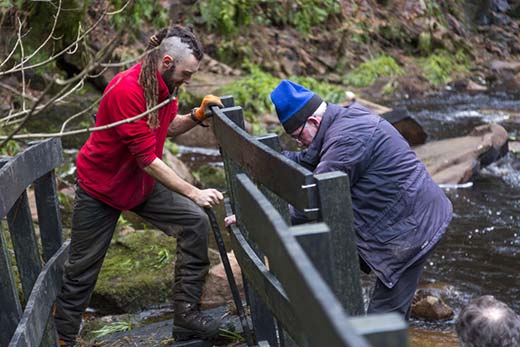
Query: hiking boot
x=189, y=322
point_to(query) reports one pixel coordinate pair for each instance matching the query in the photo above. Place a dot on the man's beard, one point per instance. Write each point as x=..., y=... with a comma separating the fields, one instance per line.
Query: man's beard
x=167, y=76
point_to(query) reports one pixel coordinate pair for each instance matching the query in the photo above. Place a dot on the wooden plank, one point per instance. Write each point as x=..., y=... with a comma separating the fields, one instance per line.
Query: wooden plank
x=262, y=318
x=9, y=301
x=382, y=330
x=336, y=211
x=279, y=174
x=24, y=243
x=312, y=300
x=26, y=167
x=49, y=216
x=273, y=141
x=264, y=282
x=39, y=306
x=317, y=246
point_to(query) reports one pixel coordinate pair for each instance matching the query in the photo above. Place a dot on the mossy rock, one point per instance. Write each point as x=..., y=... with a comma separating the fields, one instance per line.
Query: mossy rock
x=211, y=176
x=137, y=273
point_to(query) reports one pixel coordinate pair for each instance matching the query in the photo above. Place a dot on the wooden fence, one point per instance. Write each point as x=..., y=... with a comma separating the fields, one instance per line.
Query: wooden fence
x=302, y=282
x=40, y=272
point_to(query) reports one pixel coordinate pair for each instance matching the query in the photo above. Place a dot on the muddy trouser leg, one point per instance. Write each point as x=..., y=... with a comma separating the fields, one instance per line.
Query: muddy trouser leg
x=399, y=298
x=93, y=224
x=178, y=216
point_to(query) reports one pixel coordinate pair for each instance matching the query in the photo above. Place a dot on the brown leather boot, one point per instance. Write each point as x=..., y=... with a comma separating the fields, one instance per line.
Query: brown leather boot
x=189, y=322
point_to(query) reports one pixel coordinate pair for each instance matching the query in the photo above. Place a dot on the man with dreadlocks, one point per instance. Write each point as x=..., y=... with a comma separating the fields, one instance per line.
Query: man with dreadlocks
x=120, y=168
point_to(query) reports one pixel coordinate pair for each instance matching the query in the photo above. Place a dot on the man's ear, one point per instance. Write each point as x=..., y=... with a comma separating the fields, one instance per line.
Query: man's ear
x=167, y=60
x=314, y=120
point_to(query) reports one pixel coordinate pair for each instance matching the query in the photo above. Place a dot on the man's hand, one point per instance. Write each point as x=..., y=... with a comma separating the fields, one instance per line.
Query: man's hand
x=204, y=110
x=206, y=197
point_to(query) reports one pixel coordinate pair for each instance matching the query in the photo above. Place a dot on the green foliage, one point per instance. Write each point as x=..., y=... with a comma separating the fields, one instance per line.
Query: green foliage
x=229, y=17
x=304, y=14
x=112, y=329
x=143, y=11
x=367, y=73
x=210, y=176
x=10, y=148
x=253, y=91
x=425, y=43
x=171, y=147
x=232, y=335
x=163, y=258
x=439, y=67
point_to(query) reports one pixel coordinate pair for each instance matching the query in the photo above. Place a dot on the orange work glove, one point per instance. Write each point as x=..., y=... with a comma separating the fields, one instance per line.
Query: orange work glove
x=204, y=110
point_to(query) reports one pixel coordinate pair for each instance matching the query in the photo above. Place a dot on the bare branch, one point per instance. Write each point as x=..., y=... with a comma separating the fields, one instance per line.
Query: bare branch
x=11, y=53
x=120, y=10
x=82, y=112
x=23, y=61
x=63, y=51
x=14, y=91
x=7, y=138
x=132, y=60
x=22, y=52
x=88, y=130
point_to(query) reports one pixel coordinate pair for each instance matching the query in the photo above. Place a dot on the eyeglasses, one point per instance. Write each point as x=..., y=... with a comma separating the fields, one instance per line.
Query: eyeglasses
x=298, y=137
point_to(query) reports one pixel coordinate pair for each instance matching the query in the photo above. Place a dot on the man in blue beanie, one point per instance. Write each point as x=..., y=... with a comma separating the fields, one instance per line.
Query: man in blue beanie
x=400, y=213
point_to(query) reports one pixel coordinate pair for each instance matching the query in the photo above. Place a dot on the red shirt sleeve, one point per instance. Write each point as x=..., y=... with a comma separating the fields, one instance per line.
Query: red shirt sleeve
x=137, y=135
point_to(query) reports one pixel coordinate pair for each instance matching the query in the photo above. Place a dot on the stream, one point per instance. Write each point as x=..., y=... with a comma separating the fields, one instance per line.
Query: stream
x=481, y=249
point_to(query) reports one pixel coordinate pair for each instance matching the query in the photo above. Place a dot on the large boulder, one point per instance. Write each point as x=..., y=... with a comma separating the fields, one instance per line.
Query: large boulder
x=401, y=119
x=216, y=290
x=407, y=126
x=456, y=160
x=137, y=273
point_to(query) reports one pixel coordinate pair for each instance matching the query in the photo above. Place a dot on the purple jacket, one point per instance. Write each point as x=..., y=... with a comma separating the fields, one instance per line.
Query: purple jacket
x=400, y=213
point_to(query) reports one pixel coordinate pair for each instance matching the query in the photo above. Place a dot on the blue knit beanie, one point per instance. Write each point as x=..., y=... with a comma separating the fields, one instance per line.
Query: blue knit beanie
x=294, y=104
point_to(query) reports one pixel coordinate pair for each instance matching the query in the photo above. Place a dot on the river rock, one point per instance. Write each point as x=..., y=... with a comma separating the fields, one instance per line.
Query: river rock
x=407, y=126
x=216, y=290
x=179, y=167
x=198, y=137
x=427, y=306
x=505, y=67
x=514, y=146
x=404, y=122
x=457, y=160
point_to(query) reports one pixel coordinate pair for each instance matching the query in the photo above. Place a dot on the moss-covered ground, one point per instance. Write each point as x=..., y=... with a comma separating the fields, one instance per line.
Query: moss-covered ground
x=137, y=273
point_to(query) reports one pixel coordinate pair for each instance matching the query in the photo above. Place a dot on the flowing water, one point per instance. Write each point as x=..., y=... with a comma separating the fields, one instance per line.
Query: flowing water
x=480, y=253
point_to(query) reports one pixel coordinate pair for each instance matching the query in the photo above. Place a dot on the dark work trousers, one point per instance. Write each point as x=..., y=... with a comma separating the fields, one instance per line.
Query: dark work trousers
x=93, y=224
x=399, y=298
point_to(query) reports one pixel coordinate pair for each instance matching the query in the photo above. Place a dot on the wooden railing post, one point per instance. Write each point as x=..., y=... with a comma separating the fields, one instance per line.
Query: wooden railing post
x=336, y=212
x=24, y=242
x=49, y=217
x=10, y=307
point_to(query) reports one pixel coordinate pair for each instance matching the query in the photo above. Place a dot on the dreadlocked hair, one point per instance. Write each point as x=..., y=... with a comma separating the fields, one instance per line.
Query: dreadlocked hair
x=150, y=64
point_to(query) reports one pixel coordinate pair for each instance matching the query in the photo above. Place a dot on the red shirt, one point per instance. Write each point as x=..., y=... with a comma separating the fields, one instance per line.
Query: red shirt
x=110, y=164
